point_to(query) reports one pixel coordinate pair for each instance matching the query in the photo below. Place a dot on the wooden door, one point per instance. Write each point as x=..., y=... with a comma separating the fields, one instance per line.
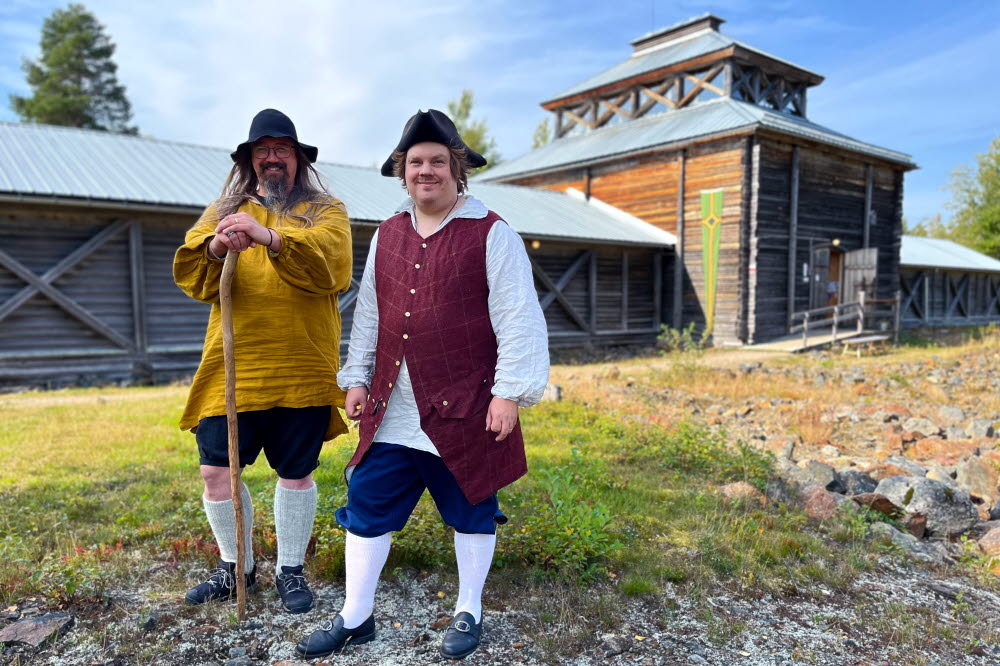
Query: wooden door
x=860, y=269
x=818, y=277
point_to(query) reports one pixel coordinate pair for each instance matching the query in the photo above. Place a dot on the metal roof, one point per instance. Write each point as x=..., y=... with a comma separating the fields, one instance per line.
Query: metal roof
x=43, y=160
x=669, y=53
x=86, y=166
x=918, y=251
x=672, y=127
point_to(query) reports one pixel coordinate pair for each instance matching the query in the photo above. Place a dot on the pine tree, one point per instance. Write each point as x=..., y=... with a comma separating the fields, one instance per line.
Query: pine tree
x=474, y=133
x=542, y=134
x=74, y=82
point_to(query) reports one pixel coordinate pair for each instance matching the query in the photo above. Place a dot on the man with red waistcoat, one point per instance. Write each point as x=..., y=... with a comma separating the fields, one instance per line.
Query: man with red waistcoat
x=448, y=341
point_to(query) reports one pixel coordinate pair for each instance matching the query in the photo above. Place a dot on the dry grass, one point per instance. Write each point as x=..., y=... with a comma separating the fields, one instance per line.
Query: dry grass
x=808, y=423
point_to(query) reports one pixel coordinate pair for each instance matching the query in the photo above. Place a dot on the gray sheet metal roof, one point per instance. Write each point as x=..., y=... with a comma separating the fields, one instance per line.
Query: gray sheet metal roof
x=673, y=127
x=684, y=48
x=917, y=251
x=43, y=160
x=73, y=165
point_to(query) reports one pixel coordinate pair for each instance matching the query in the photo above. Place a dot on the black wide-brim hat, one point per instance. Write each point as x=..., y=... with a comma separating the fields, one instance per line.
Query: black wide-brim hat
x=432, y=125
x=275, y=124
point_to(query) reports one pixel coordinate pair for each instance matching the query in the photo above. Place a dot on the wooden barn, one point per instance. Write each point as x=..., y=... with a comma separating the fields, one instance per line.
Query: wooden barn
x=708, y=138
x=91, y=220
x=947, y=284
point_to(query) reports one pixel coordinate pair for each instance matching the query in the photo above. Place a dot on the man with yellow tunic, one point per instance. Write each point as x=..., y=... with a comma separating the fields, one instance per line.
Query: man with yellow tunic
x=296, y=245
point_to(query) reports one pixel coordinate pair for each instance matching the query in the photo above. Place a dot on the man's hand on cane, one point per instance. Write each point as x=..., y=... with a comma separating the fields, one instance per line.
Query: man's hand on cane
x=239, y=232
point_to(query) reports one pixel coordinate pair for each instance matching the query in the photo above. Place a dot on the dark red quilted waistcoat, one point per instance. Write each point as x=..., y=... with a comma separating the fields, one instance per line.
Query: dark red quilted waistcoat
x=433, y=309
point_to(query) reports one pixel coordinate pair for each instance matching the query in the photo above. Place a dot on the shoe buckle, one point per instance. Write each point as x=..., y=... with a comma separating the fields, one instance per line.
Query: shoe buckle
x=462, y=626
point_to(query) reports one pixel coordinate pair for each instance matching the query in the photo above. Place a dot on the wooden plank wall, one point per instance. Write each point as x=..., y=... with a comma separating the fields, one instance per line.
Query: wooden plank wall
x=647, y=187
x=614, y=313
x=832, y=194
x=162, y=330
x=708, y=167
x=937, y=294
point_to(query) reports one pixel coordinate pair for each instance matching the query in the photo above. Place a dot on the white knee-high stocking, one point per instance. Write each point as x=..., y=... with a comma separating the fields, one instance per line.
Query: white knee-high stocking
x=363, y=560
x=223, y=522
x=294, y=512
x=474, y=553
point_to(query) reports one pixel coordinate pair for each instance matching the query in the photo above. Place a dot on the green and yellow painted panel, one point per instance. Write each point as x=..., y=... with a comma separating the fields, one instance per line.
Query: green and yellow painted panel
x=711, y=231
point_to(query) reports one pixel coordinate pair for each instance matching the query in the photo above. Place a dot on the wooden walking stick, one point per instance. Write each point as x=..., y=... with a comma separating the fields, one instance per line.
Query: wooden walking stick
x=229, y=356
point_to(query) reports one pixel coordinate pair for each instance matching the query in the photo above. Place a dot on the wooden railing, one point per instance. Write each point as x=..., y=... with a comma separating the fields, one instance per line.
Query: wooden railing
x=858, y=313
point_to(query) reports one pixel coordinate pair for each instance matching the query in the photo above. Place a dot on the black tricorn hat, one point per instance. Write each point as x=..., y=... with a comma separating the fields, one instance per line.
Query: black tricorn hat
x=432, y=125
x=273, y=123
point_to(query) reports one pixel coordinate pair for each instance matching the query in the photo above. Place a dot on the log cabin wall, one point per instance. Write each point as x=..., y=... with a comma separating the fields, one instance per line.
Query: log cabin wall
x=810, y=197
x=596, y=296
x=712, y=166
x=87, y=296
x=647, y=187
x=949, y=297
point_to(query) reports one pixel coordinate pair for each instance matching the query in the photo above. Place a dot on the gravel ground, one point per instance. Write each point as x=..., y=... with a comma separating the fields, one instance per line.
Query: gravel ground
x=878, y=621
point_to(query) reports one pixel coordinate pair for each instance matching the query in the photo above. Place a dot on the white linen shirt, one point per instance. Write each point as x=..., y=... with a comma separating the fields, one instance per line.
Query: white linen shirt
x=522, y=340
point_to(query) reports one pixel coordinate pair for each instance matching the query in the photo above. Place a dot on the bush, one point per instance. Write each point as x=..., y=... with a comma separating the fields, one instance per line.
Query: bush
x=697, y=449
x=569, y=536
x=683, y=340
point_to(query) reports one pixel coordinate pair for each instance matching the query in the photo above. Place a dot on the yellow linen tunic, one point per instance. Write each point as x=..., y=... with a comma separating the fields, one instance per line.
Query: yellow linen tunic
x=285, y=317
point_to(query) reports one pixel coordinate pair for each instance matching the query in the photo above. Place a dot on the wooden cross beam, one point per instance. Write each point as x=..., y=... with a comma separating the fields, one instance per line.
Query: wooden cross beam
x=615, y=107
x=956, y=296
x=744, y=82
x=44, y=284
x=700, y=83
x=658, y=95
x=994, y=305
x=911, y=291
x=555, y=289
x=349, y=296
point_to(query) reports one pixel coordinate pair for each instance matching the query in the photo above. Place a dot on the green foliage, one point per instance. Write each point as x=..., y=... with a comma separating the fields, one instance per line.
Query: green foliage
x=473, y=132
x=568, y=535
x=700, y=450
x=542, y=135
x=639, y=586
x=684, y=340
x=975, y=200
x=74, y=81
x=929, y=227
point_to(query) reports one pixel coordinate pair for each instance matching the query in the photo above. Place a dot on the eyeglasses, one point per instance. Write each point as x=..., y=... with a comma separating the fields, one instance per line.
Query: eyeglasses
x=281, y=151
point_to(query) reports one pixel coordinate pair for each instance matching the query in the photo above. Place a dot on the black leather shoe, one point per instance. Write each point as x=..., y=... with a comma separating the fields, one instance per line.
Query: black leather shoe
x=332, y=637
x=295, y=595
x=221, y=584
x=462, y=637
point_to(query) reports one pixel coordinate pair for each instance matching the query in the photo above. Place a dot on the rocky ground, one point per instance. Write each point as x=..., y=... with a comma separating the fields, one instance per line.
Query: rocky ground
x=917, y=429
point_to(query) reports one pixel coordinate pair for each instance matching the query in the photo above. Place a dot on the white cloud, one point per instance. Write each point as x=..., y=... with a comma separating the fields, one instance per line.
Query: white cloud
x=349, y=74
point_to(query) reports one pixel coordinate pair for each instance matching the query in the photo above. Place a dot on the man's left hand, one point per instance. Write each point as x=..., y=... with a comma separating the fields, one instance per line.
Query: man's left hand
x=501, y=417
x=240, y=221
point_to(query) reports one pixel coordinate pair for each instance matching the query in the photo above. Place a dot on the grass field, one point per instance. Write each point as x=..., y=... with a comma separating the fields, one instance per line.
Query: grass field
x=94, y=478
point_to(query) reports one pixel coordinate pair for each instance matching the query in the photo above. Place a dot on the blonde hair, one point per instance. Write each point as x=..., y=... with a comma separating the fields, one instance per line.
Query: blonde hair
x=459, y=164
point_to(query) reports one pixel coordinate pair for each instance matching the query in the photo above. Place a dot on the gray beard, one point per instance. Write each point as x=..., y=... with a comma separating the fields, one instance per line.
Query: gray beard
x=275, y=193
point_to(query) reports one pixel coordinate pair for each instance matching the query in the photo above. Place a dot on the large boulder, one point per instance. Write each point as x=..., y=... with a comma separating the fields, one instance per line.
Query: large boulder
x=925, y=427
x=856, y=482
x=981, y=478
x=813, y=473
x=949, y=510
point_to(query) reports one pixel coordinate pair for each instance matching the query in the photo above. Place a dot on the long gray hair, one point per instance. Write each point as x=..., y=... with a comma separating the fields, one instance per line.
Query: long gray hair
x=242, y=184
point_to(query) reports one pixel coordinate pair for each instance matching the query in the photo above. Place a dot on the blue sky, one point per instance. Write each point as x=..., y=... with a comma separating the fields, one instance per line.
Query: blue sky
x=913, y=76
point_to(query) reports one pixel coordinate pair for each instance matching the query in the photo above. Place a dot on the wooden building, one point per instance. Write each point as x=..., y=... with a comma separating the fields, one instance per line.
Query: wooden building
x=91, y=220
x=947, y=284
x=708, y=138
